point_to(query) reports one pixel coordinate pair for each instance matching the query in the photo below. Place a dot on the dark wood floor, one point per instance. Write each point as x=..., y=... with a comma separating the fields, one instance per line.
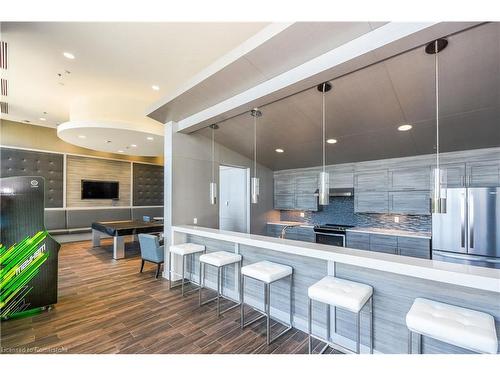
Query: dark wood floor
x=107, y=306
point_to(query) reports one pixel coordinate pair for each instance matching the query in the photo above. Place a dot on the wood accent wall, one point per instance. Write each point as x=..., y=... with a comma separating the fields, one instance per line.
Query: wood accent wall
x=82, y=168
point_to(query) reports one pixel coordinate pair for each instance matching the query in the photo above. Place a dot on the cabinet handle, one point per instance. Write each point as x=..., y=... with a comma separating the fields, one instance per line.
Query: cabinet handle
x=462, y=180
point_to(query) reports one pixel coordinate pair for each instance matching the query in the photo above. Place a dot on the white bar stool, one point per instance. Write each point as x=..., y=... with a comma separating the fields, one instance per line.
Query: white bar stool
x=465, y=328
x=219, y=259
x=344, y=294
x=268, y=273
x=183, y=249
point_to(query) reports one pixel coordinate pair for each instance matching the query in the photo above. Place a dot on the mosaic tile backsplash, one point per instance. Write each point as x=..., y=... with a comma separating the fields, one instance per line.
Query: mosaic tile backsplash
x=341, y=211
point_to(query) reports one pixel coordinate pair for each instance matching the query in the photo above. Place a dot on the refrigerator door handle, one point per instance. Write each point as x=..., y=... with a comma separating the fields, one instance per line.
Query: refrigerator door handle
x=471, y=222
x=462, y=219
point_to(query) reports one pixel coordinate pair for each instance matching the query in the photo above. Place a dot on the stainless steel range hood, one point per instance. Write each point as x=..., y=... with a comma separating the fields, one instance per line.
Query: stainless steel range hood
x=338, y=192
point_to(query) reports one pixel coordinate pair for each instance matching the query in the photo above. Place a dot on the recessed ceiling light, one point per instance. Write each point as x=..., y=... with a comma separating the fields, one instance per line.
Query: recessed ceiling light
x=155, y=87
x=120, y=151
x=404, y=128
x=81, y=136
x=279, y=150
x=132, y=145
x=150, y=138
x=331, y=141
x=43, y=119
x=69, y=55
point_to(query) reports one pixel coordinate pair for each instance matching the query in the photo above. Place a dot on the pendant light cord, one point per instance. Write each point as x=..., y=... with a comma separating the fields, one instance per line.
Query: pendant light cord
x=255, y=146
x=436, y=78
x=213, y=154
x=324, y=128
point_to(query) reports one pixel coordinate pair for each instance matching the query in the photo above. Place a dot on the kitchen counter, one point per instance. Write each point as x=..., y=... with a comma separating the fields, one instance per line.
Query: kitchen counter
x=396, y=282
x=291, y=223
x=391, y=232
x=457, y=274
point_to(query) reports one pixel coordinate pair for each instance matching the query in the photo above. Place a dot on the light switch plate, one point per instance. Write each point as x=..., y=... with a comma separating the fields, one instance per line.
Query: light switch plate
x=195, y=220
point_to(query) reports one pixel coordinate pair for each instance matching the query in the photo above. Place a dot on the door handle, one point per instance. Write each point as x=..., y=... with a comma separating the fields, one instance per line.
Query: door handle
x=471, y=223
x=462, y=219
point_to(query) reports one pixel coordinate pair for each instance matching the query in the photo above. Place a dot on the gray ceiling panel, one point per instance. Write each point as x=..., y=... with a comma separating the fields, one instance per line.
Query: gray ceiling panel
x=365, y=108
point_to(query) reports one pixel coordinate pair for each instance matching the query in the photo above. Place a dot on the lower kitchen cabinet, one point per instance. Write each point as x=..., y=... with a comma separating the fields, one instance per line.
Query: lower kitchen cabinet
x=384, y=243
x=359, y=241
x=409, y=202
x=414, y=247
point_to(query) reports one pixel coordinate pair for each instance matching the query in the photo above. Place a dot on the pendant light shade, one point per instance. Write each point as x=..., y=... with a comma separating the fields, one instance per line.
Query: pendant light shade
x=255, y=181
x=324, y=178
x=439, y=177
x=213, y=184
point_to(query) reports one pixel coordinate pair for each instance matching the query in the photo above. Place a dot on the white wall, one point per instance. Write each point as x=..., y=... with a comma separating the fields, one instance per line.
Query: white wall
x=188, y=168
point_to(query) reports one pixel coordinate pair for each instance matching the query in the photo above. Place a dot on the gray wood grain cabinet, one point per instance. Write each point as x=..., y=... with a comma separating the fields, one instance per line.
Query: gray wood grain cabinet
x=483, y=173
x=371, y=202
x=341, y=180
x=383, y=243
x=284, y=184
x=418, y=178
x=409, y=202
x=306, y=202
x=414, y=247
x=359, y=241
x=455, y=174
x=372, y=181
x=284, y=201
x=305, y=234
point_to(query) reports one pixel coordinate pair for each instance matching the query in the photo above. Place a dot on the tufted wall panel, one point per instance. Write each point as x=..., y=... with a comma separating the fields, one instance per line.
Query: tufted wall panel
x=32, y=163
x=148, y=185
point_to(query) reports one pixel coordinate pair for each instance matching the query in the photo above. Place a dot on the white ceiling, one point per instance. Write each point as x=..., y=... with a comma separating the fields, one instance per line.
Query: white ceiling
x=111, y=59
x=365, y=108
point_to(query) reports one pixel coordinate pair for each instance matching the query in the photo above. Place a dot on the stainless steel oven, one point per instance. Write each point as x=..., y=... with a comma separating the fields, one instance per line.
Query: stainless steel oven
x=331, y=234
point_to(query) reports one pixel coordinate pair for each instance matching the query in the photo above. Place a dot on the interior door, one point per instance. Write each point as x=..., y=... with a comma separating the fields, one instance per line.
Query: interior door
x=233, y=202
x=449, y=230
x=484, y=221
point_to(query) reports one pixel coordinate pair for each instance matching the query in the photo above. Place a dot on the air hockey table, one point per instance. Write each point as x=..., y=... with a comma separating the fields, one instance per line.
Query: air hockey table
x=119, y=230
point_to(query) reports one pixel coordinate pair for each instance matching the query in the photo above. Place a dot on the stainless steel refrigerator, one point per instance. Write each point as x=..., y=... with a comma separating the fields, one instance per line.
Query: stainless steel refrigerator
x=469, y=231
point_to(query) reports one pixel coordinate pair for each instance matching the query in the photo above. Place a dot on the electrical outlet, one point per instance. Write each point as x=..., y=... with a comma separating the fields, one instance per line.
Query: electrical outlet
x=396, y=219
x=302, y=214
x=195, y=220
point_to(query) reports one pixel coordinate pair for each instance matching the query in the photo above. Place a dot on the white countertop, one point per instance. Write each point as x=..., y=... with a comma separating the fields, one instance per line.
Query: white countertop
x=452, y=273
x=391, y=232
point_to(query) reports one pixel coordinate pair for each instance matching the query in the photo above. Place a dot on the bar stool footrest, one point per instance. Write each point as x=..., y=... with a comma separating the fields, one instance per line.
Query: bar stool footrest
x=333, y=345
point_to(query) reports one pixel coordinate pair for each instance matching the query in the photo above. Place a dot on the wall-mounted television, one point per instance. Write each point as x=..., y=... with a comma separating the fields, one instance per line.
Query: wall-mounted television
x=100, y=189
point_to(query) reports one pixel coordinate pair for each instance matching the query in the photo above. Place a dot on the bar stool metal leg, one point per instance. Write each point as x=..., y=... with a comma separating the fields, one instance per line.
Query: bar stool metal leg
x=291, y=302
x=371, y=324
x=201, y=282
x=182, y=280
x=242, y=309
x=358, y=330
x=219, y=287
x=309, y=324
x=419, y=343
x=410, y=342
x=170, y=270
x=267, y=291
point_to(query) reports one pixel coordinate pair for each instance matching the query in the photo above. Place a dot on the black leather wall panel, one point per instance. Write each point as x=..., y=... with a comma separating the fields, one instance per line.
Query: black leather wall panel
x=84, y=218
x=55, y=219
x=139, y=212
x=32, y=163
x=148, y=185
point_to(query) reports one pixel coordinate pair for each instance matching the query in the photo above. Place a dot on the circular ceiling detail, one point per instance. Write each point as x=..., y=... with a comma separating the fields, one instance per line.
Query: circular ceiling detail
x=116, y=125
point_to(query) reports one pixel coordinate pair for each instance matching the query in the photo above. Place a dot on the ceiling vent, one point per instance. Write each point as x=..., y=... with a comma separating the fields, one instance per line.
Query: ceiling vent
x=4, y=107
x=3, y=87
x=3, y=55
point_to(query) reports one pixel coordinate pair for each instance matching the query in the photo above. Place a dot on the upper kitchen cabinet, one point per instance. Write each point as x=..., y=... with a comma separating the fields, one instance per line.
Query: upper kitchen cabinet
x=409, y=202
x=284, y=183
x=371, y=181
x=455, y=175
x=306, y=185
x=410, y=179
x=341, y=177
x=371, y=202
x=483, y=173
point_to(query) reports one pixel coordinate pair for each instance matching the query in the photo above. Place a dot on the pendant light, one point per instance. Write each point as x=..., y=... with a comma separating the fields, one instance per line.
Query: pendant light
x=324, y=178
x=255, y=181
x=439, y=180
x=213, y=184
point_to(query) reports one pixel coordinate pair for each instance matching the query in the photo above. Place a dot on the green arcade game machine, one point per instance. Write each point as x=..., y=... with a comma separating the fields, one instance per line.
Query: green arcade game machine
x=28, y=254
